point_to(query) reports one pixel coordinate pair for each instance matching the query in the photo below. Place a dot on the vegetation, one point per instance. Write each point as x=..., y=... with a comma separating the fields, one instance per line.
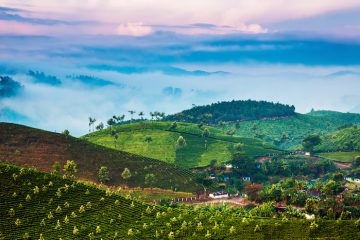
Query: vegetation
x=347, y=139
x=288, y=133
x=31, y=208
x=346, y=157
x=31, y=147
x=186, y=145
x=233, y=111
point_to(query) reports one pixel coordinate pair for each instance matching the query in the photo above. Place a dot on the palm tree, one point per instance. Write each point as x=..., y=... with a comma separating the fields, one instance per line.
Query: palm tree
x=91, y=123
x=141, y=115
x=152, y=115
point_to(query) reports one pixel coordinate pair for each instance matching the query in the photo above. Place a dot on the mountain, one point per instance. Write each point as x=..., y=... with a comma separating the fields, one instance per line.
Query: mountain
x=158, y=139
x=289, y=132
x=25, y=146
x=233, y=111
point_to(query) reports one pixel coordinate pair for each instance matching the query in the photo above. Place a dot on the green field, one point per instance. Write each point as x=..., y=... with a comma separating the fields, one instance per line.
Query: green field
x=36, y=205
x=340, y=156
x=289, y=132
x=220, y=147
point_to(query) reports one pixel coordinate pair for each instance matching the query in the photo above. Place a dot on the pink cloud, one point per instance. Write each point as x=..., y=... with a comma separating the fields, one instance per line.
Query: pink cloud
x=134, y=29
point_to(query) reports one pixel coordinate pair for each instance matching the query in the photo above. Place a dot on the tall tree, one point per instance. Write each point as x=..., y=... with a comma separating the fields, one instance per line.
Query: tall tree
x=103, y=174
x=126, y=174
x=70, y=169
x=141, y=115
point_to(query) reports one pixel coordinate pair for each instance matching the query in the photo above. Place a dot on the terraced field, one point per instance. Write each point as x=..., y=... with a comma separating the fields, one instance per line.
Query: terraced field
x=36, y=205
x=219, y=146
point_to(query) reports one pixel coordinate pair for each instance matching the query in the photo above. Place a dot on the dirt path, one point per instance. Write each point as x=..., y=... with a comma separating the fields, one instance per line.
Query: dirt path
x=342, y=165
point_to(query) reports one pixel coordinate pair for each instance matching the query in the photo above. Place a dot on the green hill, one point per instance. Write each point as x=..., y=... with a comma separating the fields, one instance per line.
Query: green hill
x=36, y=205
x=290, y=131
x=233, y=111
x=347, y=139
x=25, y=146
x=220, y=147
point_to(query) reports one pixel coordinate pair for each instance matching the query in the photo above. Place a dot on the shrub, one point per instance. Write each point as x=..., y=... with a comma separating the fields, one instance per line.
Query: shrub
x=98, y=230
x=75, y=231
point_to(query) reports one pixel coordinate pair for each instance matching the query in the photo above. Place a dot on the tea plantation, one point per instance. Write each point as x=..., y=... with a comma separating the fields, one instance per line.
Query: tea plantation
x=37, y=205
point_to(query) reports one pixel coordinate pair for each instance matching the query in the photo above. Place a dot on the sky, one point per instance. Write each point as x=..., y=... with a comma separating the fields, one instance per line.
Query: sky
x=68, y=60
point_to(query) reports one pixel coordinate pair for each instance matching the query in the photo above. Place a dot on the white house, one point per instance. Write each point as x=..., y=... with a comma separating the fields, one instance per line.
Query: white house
x=217, y=195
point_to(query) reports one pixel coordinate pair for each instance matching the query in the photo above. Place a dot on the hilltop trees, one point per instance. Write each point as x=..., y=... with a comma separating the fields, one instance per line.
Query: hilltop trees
x=103, y=174
x=70, y=169
x=91, y=123
x=310, y=142
x=233, y=111
x=100, y=126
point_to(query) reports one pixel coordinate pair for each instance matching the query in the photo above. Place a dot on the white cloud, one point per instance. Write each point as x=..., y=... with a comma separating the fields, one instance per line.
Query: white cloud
x=134, y=29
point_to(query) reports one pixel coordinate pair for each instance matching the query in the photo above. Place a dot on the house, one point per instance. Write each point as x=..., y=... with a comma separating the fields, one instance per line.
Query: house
x=246, y=179
x=228, y=166
x=219, y=194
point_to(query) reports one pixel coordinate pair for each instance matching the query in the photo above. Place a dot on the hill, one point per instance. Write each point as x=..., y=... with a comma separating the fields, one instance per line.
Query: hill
x=347, y=139
x=36, y=205
x=158, y=140
x=25, y=146
x=233, y=111
x=288, y=132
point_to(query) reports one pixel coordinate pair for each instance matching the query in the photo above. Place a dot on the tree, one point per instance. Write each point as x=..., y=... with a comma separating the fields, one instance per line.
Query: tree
x=356, y=161
x=91, y=123
x=148, y=139
x=56, y=167
x=111, y=122
x=103, y=174
x=311, y=205
x=150, y=179
x=70, y=169
x=310, y=142
x=141, y=115
x=206, y=133
x=180, y=143
x=126, y=174
x=100, y=126
x=66, y=132
x=173, y=125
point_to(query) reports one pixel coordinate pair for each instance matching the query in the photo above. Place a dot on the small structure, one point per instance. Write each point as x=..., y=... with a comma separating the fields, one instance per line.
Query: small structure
x=217, y=195
x=246, y=179
x=228, y=166
x=307, y=154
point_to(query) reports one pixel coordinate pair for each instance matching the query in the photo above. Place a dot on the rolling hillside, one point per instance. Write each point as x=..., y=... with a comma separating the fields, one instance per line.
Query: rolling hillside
x=132, y=138
x=289, y=132
x=347, y=139
x=25, y=146
x=36, y=205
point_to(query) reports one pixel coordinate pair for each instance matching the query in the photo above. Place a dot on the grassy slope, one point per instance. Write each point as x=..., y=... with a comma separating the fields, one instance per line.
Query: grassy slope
x=344, y=139
x=114, y=214
x=340, y=156
x=25, y=146
x=318, y=122
x=163, y=147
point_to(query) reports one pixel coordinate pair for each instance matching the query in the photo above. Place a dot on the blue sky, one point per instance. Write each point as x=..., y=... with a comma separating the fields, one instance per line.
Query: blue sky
x=302, y=54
